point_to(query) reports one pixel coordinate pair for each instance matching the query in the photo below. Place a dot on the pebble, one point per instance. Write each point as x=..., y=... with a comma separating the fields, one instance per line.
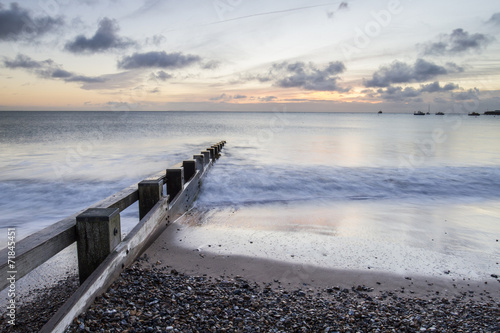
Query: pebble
x=168, y=301
x=162, y=300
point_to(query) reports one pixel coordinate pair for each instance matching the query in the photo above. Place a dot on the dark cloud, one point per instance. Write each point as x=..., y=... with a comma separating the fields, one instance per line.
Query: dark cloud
x=306, y=76
x=398, y=93
x=85, y=79
x=47, y=69
x=161, y=75
x=226, y=97
x=436, y=87
x=105, y=38
x=158, y=59
x=17, y=24
x=459, y=41
x=410, y=94
x=60, y=73
x=471, y=94
x=268, y=98
x=23, y=61
x=495, y=19
x=400, y=72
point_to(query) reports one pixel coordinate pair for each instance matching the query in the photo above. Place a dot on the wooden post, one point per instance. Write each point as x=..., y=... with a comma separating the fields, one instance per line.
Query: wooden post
x=213, y=156
x=189, y=169
x=150, y=192
x=206, y=155
x=199, y=162
x=98, y=233
x=216, y=147
x=175, y=182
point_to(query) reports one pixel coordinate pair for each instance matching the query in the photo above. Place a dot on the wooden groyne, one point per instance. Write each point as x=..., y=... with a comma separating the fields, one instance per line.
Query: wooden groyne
x=102, y=254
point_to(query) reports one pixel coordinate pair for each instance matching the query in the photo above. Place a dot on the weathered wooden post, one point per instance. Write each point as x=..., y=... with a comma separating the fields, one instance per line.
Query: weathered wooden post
x=98, y=233
x=150, y=192
x=175, y=181
x=216, y=147
x=189, y=169
x=199, y=162
x=206, y=155
x=213, y=155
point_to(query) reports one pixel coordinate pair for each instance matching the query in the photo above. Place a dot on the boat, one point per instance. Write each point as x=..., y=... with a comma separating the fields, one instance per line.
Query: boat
x=439, y=113
x=379, y=112
x=418, y=113
x=492, y=113
x=475, y=114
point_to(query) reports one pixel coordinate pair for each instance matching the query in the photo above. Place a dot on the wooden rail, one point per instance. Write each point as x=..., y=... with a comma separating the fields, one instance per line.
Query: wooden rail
x=156, y=213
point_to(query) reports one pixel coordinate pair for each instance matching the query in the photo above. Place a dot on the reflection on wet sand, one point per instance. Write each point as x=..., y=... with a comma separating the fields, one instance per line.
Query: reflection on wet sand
x=358, y=235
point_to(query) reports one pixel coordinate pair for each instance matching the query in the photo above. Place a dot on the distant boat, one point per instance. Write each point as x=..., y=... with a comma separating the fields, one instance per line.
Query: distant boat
x=475, y=114
x=379, y=112
x=418, y=113
x=439, y=113
x=492, y=113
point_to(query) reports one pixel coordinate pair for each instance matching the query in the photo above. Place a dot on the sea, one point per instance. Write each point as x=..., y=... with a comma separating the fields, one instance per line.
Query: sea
x=385, y=192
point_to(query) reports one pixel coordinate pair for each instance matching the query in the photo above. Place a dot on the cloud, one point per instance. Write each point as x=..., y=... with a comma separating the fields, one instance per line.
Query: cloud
x=398, y=93
x=121, y=82
x=47, y=69
x=459, y=41
x=23, y=61
x=212, y=64
x=471, y=94
x=161, y=75
x=225, y=97
x=495, y=19
x=400, y=72
x=17, y=24
x=305, y=76
x=268, y=98
x=343, y=5
x=436, y=87
x=104, y=39
x=156, y=40
x=158, y=59
x=85, y=79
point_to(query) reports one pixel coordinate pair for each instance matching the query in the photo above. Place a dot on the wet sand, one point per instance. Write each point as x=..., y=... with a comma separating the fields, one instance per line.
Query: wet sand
x=168, y=251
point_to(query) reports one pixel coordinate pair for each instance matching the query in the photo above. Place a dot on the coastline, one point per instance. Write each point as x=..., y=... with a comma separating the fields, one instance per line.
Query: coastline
x=173, y=288
x=167, y=253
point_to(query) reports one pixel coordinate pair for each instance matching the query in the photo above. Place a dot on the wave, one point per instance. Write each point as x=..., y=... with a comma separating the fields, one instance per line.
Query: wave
x=239, y=185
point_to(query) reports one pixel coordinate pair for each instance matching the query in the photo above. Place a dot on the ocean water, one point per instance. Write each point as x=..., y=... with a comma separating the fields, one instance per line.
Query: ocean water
x=389, y=192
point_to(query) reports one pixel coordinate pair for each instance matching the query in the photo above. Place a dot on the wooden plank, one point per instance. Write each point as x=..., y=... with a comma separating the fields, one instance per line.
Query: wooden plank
x=39, y=247
x=125, y=253
x=148, y=229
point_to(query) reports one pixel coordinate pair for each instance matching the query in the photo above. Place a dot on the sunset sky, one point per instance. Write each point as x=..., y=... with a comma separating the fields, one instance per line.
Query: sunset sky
x=242, y=55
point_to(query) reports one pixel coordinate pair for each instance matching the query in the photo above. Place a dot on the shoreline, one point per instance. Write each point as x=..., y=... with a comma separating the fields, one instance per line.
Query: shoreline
x=170, y=287
x=166, y=253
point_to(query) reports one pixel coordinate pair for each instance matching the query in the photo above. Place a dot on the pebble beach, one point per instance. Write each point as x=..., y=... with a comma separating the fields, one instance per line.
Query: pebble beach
x=161, y=296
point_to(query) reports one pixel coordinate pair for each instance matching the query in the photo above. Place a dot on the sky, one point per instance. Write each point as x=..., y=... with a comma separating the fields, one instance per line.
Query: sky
x=242, y=55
